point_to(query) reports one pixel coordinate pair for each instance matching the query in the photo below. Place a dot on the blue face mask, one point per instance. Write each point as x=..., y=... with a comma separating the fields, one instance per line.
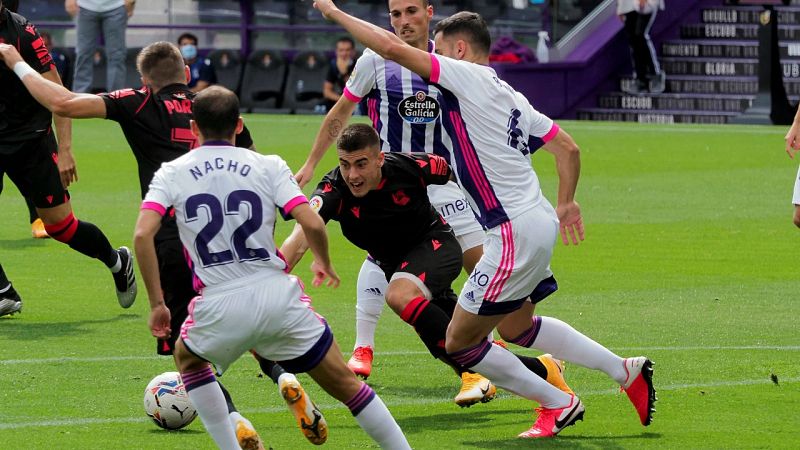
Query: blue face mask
x=188, y=51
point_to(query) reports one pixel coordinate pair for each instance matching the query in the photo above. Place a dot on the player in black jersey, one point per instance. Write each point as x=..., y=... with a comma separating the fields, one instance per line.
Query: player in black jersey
x=415, y=247
x=155, y=122
x=41, y=168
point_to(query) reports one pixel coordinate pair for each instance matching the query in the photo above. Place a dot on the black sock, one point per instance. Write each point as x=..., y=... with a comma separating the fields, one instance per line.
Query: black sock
x=271, y=368
x=32, y=214
x=4, y=283
x=430, y=322
x=84, y=237
x=534, y=365
x=228, y=399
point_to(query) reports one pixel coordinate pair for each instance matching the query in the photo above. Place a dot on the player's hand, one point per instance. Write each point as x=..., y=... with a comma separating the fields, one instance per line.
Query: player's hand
x=10, y=55
x=67, y=168
x=322, y=273
x=570, y=222
x=326, y=7
x=159, y=322
x=304, y=175
x=71, y=6
x=793, y=139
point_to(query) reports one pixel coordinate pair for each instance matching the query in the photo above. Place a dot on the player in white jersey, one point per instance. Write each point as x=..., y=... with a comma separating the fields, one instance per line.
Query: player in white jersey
x=225, y=201
x=494, y=129
x=404, y=110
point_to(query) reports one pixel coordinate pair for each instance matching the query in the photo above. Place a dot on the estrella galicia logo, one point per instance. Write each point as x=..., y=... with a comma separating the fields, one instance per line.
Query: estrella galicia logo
x=419, y=108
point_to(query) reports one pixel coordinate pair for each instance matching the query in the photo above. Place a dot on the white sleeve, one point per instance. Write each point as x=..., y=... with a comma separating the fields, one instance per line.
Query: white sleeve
x=159, y=197
x=285, y=188
x=455, y=76
x=363, y=78
x=540, y=126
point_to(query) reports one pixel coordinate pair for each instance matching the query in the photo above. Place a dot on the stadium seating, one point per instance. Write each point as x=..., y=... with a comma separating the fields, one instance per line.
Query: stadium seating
x=263, y=82
x=228, y=67
x=132, y=77
x=304, y=83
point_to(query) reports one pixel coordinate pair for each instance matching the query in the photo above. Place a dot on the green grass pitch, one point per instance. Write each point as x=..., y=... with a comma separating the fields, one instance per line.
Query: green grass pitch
x=690, y=258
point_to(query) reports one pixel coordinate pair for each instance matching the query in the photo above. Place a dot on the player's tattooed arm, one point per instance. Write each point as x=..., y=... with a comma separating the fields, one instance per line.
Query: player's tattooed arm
x=334, y=128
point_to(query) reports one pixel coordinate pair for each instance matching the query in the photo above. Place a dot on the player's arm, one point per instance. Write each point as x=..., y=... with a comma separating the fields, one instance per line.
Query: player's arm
x=148, y=223
x=52, y=95
x=316, y=237
x=568, y=166
x=333, y=124
x=793, y=136
x=381, y=41
x=434, y=168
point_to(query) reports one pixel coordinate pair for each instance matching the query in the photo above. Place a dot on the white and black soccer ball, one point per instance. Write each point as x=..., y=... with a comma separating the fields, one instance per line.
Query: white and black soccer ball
x=166, y=402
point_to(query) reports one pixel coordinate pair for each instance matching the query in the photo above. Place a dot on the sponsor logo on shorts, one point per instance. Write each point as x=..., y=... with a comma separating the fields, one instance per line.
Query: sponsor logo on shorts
x=419, y=108
x=470, y=296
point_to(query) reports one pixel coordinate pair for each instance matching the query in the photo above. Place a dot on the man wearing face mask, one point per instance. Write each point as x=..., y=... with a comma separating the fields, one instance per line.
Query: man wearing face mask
x=202, y=70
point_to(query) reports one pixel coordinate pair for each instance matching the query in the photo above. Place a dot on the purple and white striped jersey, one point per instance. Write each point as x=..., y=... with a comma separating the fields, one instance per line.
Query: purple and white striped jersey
x=494, y=130
x=405, y=110
x=225, y=201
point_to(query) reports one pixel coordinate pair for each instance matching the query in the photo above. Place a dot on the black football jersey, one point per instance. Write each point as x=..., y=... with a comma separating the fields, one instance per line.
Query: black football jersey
x=391, y=219
x=21, y=117
x=156, y=126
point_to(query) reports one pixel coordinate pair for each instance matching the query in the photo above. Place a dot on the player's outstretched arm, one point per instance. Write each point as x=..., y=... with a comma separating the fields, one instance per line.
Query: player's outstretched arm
x=382, y=42
x=52, y=96
x=147, y=225
x=568, y=166
x=793, y=136
x=317, y=238
x=332, y=125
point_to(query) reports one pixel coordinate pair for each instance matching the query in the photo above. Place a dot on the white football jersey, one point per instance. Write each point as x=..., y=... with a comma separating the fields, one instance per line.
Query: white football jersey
x=225, y=201
x=493, y=130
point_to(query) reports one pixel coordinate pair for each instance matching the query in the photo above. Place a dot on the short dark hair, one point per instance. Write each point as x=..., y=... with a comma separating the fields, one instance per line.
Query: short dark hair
x=162, y=64
x=469, y=24
x=187, y=36
x=347, y=39
x=216, y=112
x=357, y=136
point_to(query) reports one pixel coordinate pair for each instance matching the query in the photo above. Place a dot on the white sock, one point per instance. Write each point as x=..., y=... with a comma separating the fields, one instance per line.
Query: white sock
x=507, y=371
x=564, y=342
x=379, y=424
x=234, y=418
x=210, y=404
x=370, y=291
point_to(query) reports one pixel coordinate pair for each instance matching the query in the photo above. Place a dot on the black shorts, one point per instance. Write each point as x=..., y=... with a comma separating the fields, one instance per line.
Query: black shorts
x=436, y=260
x=176, y=283
x=34, y=170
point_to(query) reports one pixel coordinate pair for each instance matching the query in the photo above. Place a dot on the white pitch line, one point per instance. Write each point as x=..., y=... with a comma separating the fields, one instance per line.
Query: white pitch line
x=402, y=402
x=101, y=359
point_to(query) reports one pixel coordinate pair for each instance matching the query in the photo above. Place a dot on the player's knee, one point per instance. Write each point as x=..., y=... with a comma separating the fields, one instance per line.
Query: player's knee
x=796, y=218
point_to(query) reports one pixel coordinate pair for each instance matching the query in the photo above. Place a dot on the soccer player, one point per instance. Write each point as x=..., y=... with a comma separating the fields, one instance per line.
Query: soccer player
x=31, y=157
x=416, y=249
x=792, y=146
x=225, y=201
x=405, y=110
x=10, y=302
x=155, y=121
x=494, y=129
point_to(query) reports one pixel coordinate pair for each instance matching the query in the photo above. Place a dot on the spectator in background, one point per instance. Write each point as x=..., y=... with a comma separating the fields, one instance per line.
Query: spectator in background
x=638, y=17
x=340, y=69
x=202, y=70
x=108, y=18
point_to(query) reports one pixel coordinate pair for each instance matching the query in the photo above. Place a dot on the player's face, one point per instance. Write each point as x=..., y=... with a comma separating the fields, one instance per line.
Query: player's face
x=361, y=169
x=344, y=51
x=411, y=20
x=449, y=46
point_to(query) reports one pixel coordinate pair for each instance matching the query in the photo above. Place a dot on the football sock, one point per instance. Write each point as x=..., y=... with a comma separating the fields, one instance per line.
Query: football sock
x=271, y=368
x=368, y=311
x=228, y=399
x=508, y=372
x=4, y=283
x=374, y=418
x=209, y=401
x=430, y=322
x=564, y=342
x=234, y=418
x=32, y=214
x=85, y=238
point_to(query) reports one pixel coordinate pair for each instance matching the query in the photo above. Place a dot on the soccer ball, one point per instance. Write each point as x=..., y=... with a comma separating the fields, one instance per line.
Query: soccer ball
x=166, y=402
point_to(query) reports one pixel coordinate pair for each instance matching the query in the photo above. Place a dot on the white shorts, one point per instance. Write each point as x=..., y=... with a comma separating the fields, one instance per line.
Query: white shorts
x=265, y=312
x=454, y=208
x=372, y=283
x=796, y=195
x=516, y=258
